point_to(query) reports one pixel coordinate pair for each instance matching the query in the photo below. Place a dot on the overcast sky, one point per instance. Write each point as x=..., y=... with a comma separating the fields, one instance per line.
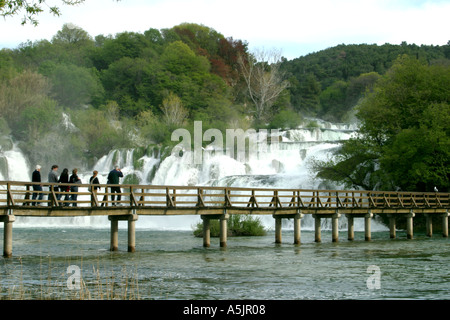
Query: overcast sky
x=296, y=27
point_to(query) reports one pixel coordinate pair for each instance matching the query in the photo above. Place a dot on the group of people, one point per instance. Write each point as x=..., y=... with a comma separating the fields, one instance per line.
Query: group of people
x=70, y=184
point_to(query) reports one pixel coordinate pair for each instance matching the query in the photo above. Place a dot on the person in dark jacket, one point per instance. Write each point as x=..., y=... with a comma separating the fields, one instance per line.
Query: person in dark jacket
x=64, y=178
x=36, y=177
x=53, y=178
x=74, y=189
x=94, y=180
x=94, y=183
x=113, y=178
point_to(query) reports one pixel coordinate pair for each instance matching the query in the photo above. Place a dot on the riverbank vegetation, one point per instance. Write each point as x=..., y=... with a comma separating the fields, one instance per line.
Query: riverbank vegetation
x=404, y=137
x=237, y=225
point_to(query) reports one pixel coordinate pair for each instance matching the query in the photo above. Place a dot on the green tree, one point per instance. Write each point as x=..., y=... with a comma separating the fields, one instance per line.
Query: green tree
x=404, y=136
x=310, y=92
x=37, y=119
x=123, y=82
x=24, y=90
x=75, y=86
x=98, y=133
x=179, y=59
x=71, y=34
x=124, y=44
x=7, y=70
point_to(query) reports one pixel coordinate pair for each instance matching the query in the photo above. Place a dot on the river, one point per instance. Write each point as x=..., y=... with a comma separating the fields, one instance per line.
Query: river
x=174, y=265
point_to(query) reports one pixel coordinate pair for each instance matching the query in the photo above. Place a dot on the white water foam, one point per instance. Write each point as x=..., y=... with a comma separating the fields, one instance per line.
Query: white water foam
x=286, y=166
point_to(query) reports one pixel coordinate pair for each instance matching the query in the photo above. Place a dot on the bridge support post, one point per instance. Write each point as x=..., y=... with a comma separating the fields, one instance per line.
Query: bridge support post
x=206, y=231
x=367, y=226
x=317, y=231
x=131, y=220
x=132, y=231
x=335, y=227
x=114, y=245
x=409, y=225
x=445, y=224
x=351, y=227
x=7, y=234
x=297, y=227
x=278, y=224
x=392, y=226
x=223, y=229
x=429, y=224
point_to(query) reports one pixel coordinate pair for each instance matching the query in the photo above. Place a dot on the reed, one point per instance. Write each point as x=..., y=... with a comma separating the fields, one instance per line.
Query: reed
x=97, y=282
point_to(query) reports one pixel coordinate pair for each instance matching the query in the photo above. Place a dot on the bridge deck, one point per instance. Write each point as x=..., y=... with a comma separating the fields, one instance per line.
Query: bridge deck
x=186, y=200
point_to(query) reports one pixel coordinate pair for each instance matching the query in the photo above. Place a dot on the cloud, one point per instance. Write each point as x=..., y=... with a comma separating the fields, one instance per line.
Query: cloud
x=297, y=27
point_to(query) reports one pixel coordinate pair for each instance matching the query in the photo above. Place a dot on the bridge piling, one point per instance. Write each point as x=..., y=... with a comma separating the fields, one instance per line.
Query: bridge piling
x=429, y=224
x=392, y=226
x=351, y=227
x=114, y=246
x=367, y=226
x=131, y=222
x=297, y=227
x=445, y=224
x=317, y=231
x=335, y=227
x=7, y=234
x=223, y=230
x=278, y=224
x=409, y=225
x=132, y=231
x=206, y=231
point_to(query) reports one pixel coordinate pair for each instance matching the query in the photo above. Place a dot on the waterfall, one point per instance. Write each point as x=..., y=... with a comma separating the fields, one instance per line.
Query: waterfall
x=287, y=165
x=15, y=165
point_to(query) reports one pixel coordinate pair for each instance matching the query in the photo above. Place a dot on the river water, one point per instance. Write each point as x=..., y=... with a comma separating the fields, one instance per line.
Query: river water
x=173, y=265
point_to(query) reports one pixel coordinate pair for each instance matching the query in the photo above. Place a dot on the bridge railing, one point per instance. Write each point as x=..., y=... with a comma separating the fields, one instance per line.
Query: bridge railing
x=14, y=193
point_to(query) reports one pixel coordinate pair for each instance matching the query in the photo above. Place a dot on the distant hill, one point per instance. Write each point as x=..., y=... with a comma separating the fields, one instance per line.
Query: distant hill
x=330, y=82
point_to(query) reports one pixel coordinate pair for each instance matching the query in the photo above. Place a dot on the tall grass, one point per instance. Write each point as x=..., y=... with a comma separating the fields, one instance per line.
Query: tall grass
x=100, y=283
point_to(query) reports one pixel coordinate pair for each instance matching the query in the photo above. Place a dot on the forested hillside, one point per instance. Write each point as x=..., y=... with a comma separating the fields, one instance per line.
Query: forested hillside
x=119, y=90
x=76, y=97
x=329, y=83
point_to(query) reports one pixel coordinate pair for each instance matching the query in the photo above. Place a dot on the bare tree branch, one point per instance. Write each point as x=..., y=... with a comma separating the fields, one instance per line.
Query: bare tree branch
x=32, y=8
x=174, y=111
x=264, y=79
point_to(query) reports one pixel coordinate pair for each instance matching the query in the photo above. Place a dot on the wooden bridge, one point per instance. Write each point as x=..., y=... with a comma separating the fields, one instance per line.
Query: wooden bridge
x=16, y=199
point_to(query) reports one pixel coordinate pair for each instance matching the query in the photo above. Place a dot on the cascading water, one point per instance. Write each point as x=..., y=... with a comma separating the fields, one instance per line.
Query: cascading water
x=285, y=164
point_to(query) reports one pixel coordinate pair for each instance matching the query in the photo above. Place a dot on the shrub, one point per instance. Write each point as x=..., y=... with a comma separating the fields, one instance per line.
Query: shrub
x=237, y=225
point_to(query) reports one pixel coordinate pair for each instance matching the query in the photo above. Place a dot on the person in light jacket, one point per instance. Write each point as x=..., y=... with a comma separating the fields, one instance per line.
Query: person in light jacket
x=53, y=178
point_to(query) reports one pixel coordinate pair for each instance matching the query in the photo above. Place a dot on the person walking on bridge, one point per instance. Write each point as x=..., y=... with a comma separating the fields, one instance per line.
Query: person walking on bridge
x=74, y=189
x=113, y=178
x=64, y=179
x=53, y=178
x=36, y=177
